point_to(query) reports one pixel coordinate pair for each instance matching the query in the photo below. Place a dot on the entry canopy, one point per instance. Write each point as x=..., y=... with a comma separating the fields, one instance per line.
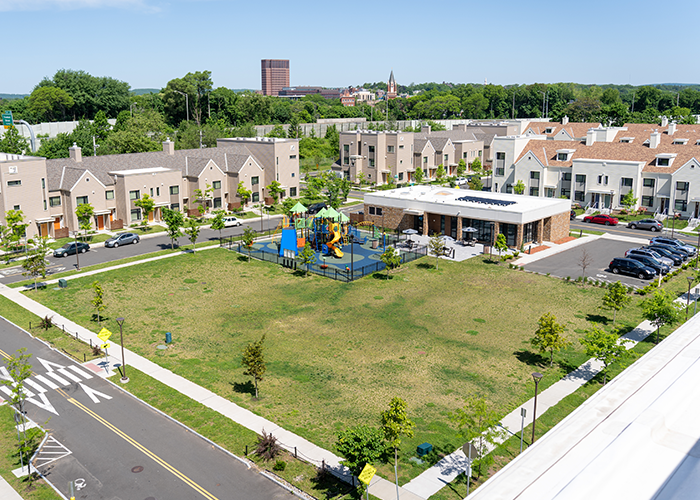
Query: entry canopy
x=299, y=208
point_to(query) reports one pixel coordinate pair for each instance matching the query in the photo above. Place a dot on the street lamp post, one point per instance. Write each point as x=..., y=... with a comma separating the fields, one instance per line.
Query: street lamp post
x=187, y=103
x=124, y=378
x=536, y=377
x=697, y=255
x=687, y=303
x=77, y=252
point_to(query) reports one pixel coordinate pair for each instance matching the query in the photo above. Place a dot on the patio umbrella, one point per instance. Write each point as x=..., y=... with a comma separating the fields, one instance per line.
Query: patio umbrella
x=446, y=238
x=409, y=231
x=299, y=208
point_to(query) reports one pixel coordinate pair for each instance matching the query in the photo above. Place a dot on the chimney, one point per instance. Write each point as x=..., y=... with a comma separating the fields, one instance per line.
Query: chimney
x=664, y=121
x=425, y=129
x=590, y=137
x=672, y=128
x=168, y=146
x=565, y=120
x=655, y=139
x=75, y=153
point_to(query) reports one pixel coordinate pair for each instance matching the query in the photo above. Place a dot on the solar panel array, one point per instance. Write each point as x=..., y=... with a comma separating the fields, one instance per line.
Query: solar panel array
x=486, y=201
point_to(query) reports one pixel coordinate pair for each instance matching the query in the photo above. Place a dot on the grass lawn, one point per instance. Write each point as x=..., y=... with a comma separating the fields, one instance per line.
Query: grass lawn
x=9, y=460
x=337, y=353
x=140, y=230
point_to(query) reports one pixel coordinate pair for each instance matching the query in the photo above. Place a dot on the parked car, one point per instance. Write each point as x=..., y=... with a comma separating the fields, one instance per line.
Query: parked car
x=122, y=239
x=71, y=249
x=231, y=221
x=621, y=265
x=316, y=208
x=650, y=224
x=601, y=219
x=650, y=253
x=669, y=252
x=461, y=180
x=572, y=215
x=651, y=262
x=689, y=249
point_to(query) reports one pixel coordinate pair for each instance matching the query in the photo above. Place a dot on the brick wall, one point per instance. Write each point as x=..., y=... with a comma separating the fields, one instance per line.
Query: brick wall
x=556, y=227
x=391, y=218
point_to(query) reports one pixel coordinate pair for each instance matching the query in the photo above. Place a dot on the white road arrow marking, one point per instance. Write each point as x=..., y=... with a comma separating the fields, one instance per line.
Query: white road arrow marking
x=4, y=374
x=49, y=365
x=44, y=403
x=94, y=394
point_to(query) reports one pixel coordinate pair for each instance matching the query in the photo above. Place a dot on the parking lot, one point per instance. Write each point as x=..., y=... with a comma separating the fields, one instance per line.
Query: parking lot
x=600, y=252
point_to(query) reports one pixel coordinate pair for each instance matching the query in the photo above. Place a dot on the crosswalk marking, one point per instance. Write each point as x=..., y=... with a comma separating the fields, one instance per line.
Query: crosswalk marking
x=69, y=375
x=58, y=379
x=80, y=371
x=6, y=390
x=36, y=386
x=46, y=382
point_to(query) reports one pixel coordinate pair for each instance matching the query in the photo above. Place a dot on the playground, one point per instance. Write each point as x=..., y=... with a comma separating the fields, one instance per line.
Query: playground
x=342, y=250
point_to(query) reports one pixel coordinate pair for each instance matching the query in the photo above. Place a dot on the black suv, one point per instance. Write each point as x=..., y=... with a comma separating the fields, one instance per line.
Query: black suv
x=667, y=251
x=316, y=208
x=651, y=262
x=620, y=265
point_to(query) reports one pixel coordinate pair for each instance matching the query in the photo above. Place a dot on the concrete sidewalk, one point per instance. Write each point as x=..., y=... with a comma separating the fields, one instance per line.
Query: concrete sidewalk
x=310, y=452
x=446, y=470
x=7, y=492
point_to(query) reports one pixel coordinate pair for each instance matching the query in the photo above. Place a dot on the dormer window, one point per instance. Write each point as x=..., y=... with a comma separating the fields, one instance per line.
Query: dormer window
x=665, y=159
x=565, y=154
x=548, y=130
x=627, y=140
x=680, y=142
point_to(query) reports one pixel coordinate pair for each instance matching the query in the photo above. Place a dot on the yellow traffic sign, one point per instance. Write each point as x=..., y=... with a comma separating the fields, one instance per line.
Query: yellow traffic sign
x=104, y=335
x=367, y=474
x=106, y=345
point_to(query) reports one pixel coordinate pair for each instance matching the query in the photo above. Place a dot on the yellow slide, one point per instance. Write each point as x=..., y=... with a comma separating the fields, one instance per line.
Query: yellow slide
x=335, y=231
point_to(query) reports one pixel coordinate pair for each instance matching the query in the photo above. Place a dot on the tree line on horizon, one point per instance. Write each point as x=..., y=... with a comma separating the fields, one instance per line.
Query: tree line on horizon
x=195, y=114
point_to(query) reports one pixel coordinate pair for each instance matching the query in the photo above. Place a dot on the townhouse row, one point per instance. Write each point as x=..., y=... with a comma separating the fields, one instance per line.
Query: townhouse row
x=658, y=164
x=49, y=191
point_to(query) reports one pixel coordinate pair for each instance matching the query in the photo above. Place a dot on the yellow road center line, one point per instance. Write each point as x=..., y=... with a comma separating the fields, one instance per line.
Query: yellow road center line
x=144, y=450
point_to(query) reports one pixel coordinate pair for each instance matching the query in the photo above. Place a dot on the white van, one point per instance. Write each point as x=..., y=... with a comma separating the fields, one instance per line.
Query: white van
x=231, y=221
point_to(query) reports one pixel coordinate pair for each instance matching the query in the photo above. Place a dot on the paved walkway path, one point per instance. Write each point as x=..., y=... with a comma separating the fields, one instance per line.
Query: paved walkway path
x=446, y=470
x=379, y=487
x=7, y=492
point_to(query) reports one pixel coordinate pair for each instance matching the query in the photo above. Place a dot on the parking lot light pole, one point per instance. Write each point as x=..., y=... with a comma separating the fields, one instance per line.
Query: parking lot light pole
x=536, y=377
x=77, y=252
x=697, y=255
x=124, y=378
x=687, y=304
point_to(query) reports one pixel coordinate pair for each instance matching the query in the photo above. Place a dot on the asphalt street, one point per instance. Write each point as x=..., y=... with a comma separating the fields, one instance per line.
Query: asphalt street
x=113, y=446
x=622, y=230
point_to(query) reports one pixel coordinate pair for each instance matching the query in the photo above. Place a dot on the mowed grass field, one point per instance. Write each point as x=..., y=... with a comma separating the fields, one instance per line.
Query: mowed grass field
x=337, y=353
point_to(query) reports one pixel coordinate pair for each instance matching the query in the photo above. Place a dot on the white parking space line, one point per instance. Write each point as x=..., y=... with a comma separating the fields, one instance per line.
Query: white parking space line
x=46, y=382
x=58, y=379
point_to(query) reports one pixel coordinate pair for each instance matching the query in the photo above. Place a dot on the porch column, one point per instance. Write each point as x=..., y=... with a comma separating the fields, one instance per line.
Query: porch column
x=459, y=228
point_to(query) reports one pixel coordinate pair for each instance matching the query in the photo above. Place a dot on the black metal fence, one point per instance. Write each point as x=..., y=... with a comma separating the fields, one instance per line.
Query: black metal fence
x=329, y=271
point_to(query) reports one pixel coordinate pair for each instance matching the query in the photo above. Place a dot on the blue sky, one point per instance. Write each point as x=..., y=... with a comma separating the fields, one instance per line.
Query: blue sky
x=332, y=43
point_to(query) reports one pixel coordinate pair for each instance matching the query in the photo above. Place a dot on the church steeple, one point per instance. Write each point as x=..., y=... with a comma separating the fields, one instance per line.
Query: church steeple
x=391, y=87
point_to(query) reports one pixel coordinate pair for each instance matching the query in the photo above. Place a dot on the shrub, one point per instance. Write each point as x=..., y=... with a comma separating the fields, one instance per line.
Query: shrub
x=46, y=322
x=267, y=447
x=280, y=465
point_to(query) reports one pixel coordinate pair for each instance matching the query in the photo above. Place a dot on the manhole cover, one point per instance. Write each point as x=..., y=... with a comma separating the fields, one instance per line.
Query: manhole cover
x=137, y=469
x=162, y=347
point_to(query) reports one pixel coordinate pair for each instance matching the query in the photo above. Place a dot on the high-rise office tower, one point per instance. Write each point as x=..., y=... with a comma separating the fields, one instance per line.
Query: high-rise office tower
x=275, y=75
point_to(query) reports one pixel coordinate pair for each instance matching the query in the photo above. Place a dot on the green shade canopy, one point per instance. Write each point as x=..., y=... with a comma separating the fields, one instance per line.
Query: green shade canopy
x=299, y=208
x=332, y=213
x=343, y=217
x=322, y=213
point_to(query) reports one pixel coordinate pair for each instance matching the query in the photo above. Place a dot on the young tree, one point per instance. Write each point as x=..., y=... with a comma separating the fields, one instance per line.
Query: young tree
x=436, y=247
x=519, y=187
x=147, y=205
x=548, y=336
x=254, y=361
x=395, y=423
x=359, y=446
x=584, y=261
x=361, y=178
x=306, y=257
x=12, y=142
x=461, y=167
x=628, y=201
x=16, y=224
x=192, y=232
x=660, y=310
x=616, y=298
x=19, y=370
x=98, y=300
x=174, y=220
x=217, y=224
x=345, y=188
x=418, y=175
x=475, y=183
x=35, y=262
x=84, y=212
x=275, y=190
x=391, y=258
x=604, y=346
x=476, y=166
x=248, y=239
x=440, y=173
x=243, y=193
x=501, y=244
x=203, y=196
x=478, y=425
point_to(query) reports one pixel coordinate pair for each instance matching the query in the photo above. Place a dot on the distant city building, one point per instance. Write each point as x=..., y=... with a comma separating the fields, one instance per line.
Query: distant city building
x=299, y=92
x=391, y=87
x=275, y=75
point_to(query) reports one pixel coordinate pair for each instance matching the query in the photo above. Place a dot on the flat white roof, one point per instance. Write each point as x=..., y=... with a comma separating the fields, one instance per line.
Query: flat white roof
x=502, y=207
x=638, y=437
x=139, y=171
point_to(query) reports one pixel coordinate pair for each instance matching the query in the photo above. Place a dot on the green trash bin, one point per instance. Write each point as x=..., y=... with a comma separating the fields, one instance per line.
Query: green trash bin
x=62, y=283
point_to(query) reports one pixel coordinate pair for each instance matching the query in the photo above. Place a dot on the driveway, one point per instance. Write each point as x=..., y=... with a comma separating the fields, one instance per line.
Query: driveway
x=600, y=252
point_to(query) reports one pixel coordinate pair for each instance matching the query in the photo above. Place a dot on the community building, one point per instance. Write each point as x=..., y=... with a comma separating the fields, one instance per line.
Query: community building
x=48, y=191
x=439, y=210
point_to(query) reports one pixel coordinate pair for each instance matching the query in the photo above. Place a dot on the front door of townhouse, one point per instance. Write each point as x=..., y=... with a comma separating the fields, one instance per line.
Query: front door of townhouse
x=663, y=205
x=57, y=224
x=697, y=207
x=100, y=222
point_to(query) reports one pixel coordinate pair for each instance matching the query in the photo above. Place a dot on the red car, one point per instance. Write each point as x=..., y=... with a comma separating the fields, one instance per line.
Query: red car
x=601, y=219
